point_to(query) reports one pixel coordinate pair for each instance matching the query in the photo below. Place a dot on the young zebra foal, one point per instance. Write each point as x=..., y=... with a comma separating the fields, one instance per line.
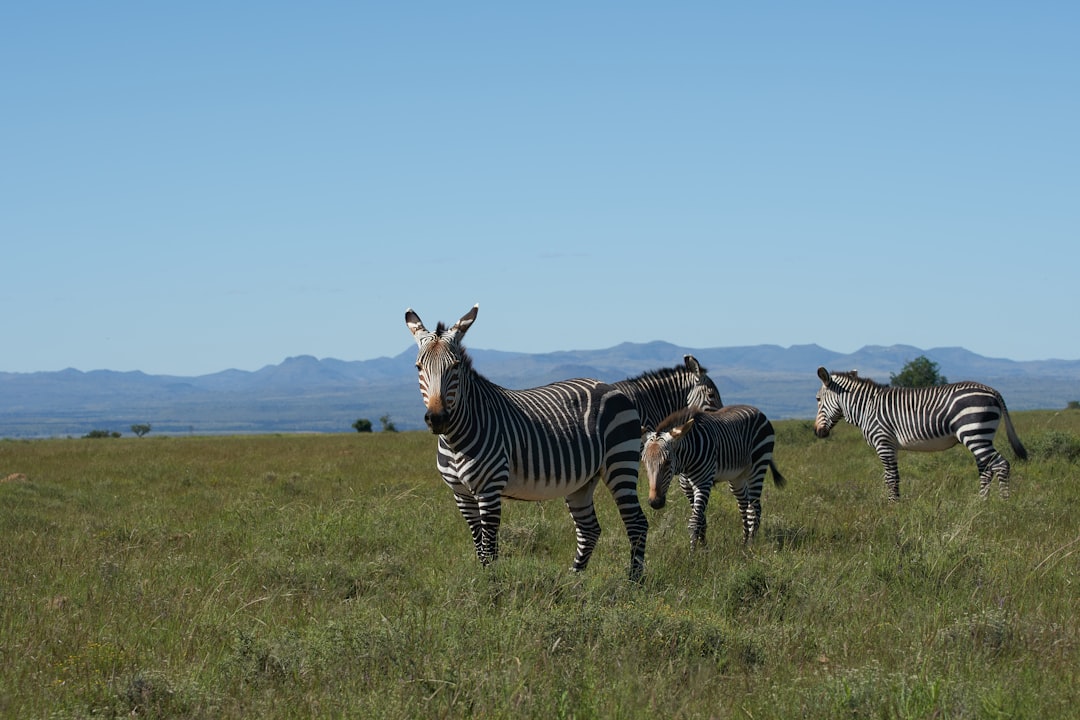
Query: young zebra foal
x=555, y=441
x=734, y=443
x=920, y=418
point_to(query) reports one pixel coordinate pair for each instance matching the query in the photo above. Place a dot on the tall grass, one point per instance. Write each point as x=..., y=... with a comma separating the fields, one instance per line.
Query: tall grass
x=331, y=576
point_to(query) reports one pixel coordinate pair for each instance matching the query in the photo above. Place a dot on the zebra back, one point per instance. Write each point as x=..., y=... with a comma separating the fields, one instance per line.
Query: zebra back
x=734, y=437
x=557, y=434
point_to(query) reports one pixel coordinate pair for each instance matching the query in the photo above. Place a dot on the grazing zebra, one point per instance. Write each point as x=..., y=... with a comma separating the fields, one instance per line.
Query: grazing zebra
x=924, y=419
x=658, y=393
x=734, y=443
x=553, y=441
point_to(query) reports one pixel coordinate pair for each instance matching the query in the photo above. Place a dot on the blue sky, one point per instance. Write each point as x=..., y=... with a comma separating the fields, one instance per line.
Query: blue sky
x=191, y=187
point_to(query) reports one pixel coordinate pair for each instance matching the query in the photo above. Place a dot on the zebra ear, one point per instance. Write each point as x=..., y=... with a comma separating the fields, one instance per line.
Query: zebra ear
x=823, y=374
x=415, y=325
x=678, y=432
x=458, y=330
x=693, y=365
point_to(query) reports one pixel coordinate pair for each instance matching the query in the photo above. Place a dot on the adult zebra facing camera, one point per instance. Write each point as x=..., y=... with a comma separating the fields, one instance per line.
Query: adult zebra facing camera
x=554, y=441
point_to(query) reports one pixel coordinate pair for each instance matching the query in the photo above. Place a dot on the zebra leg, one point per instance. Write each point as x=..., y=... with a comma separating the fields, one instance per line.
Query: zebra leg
x=586, y=526
x=994, y=464
x=990, y=463
x=490, y=503
x=751, y=520
x=687, y=487
x=1003, y=472
x=749, y=511
x=892, y=471
x=698, y=519
x=752, y=513
x=470, y=510
x=747, y=520
x=623, y=486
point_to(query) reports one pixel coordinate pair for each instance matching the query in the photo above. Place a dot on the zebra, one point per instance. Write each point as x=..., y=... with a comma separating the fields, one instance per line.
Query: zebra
x=542, y=443
x=734, y=443
x=658, y=393
x=925, y=419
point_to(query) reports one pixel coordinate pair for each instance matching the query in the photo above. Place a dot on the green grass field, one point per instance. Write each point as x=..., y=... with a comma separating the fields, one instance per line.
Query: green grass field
x=332, y=576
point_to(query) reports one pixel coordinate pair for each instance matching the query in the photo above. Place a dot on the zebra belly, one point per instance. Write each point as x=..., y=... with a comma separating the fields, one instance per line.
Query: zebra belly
x=472, y=475
x=928, y=444
x=734, y=477
x=533, y=490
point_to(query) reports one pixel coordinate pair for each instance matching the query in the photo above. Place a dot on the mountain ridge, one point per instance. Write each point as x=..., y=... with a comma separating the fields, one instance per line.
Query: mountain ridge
x=307, y=394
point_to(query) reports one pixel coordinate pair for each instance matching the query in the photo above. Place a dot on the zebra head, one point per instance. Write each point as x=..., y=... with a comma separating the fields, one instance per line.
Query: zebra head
x=704, y=393
x=829, y=406
x=659, y=458
x=440, y=363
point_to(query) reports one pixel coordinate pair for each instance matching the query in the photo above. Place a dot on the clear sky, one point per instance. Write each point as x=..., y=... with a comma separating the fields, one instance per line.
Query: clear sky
x=191, y=187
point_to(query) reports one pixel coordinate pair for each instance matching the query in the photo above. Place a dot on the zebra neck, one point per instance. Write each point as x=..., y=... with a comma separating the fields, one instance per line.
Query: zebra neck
x=859, y=406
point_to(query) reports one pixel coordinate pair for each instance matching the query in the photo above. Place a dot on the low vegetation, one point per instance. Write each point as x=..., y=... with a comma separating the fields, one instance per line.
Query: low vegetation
x=331, y=576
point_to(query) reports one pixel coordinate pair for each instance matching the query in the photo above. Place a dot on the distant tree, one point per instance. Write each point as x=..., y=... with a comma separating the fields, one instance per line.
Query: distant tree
x=140, y=430
x=1073, y=405
x=387, y=426
x=94, y=434
x=362, y=425
x=920, y=372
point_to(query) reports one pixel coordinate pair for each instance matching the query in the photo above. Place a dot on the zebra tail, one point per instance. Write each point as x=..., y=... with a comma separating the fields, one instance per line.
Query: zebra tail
x=777, y=478
x=1014, y=439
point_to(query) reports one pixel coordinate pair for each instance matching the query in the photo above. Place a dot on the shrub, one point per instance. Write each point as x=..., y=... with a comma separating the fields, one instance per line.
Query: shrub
x=1056, y=444
x=93, y=434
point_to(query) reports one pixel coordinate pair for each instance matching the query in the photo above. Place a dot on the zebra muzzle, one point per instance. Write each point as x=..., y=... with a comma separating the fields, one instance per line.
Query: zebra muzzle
x=437, y=422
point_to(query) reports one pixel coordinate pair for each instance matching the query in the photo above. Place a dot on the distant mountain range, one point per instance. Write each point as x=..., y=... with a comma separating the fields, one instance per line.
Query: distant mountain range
x=305, y=394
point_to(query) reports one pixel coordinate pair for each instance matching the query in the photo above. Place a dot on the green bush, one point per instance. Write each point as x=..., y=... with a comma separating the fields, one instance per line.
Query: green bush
x=1055, y=444
x=95, y=434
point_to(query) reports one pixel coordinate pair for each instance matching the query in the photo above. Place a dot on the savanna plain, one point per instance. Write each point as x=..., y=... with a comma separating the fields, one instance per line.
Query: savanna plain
x=332, y=576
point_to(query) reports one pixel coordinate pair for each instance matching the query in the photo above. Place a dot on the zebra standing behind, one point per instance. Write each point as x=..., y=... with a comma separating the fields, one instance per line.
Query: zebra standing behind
x=658, y=393
x=548, y=442
x=734, y=443
x=924, y=419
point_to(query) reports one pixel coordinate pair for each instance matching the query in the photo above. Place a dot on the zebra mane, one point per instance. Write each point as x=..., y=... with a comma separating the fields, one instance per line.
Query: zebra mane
x=663, y=373
x=679, y=417
x=853, y=376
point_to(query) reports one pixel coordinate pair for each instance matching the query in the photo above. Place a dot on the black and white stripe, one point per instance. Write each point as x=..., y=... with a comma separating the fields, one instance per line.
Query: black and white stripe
x=554, y=441
x=924, y=419
x=658, y=393
x=734, y=444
